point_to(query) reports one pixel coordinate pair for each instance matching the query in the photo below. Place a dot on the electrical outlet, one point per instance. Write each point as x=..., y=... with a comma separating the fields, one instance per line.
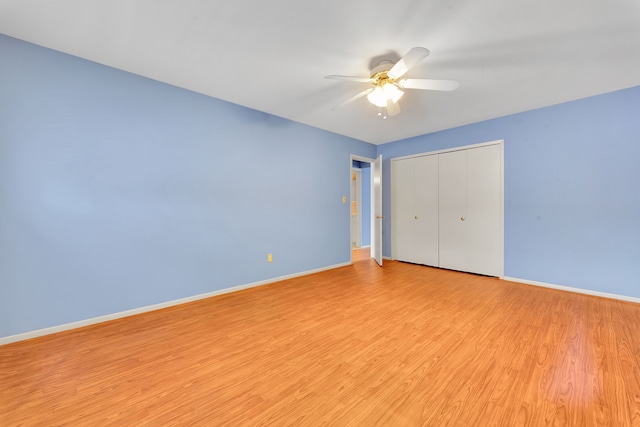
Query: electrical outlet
x=269, y=257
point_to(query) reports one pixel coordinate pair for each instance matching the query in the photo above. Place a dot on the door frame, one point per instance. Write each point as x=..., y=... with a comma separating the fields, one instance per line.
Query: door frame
x=372, y=214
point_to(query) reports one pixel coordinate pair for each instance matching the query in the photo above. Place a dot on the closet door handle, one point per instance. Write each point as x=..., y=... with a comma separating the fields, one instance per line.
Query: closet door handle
x=415, y=217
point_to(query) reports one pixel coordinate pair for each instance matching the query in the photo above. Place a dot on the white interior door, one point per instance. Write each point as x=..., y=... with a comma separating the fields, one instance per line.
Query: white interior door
x=453, y=210
x=376, y=210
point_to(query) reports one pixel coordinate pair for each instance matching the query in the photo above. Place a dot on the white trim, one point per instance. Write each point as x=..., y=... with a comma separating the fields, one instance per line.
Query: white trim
x=360, y=159
x=81, y=323
x=358, y=199
x=449, y=150
x=363, y=159
x=501, y=143
x=575, y=290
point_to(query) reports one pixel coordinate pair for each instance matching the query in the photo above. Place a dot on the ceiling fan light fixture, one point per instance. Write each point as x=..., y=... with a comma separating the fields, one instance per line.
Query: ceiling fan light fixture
x=377, y=98
x=388, y=86
x=382, y=93
x=392, y=92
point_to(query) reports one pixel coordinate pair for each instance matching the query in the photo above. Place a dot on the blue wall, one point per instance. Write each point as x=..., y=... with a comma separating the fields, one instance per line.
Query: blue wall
x=572, y=195
x=118, y=192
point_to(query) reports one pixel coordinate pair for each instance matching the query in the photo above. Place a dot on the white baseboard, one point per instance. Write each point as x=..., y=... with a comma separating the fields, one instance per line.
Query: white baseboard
x=81, y=323
x=576, y=290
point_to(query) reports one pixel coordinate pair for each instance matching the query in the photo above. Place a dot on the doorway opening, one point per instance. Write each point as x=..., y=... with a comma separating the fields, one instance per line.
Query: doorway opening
x=360, y=205
x=365, y=206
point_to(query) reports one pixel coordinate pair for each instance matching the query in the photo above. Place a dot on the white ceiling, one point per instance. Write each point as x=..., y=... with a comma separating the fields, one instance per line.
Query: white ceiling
x=508, y=55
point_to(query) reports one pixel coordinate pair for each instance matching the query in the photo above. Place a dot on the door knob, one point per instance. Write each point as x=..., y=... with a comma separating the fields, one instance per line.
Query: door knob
x=415, y=217
x=461, y=218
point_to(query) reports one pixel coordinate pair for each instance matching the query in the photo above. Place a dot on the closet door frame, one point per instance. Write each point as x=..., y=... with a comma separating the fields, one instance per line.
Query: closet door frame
x=499, y=142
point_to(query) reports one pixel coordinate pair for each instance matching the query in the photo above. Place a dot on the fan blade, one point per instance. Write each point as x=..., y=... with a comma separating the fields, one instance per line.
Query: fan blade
x=429, y=84
x=408, y=61
x=350, y=78
x=353, y=98
x=393, y=108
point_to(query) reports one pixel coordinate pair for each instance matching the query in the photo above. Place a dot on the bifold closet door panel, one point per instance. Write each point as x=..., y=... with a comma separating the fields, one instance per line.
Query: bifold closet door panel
x=426, y=210
x=484, y=210
x=453, y=210
x=402, y=193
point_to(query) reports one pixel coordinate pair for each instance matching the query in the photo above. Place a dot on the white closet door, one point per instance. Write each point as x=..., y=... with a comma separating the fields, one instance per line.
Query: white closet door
x=453, y=210
x=484, y=210
x=402, y=204
x=448, y=211
x=426, y=210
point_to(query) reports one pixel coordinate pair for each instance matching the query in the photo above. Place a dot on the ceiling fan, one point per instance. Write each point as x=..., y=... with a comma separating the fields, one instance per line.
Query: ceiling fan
x=387, y=84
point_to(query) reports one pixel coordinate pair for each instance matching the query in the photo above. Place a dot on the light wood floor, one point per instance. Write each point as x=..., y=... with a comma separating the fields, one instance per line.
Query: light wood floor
x=401, y=345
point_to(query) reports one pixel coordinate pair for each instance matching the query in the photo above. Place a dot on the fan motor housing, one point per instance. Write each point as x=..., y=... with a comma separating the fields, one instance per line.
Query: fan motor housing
x=384, y=65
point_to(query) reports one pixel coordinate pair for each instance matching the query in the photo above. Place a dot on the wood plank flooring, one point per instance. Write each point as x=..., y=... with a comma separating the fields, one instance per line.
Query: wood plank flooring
x=402, y=345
